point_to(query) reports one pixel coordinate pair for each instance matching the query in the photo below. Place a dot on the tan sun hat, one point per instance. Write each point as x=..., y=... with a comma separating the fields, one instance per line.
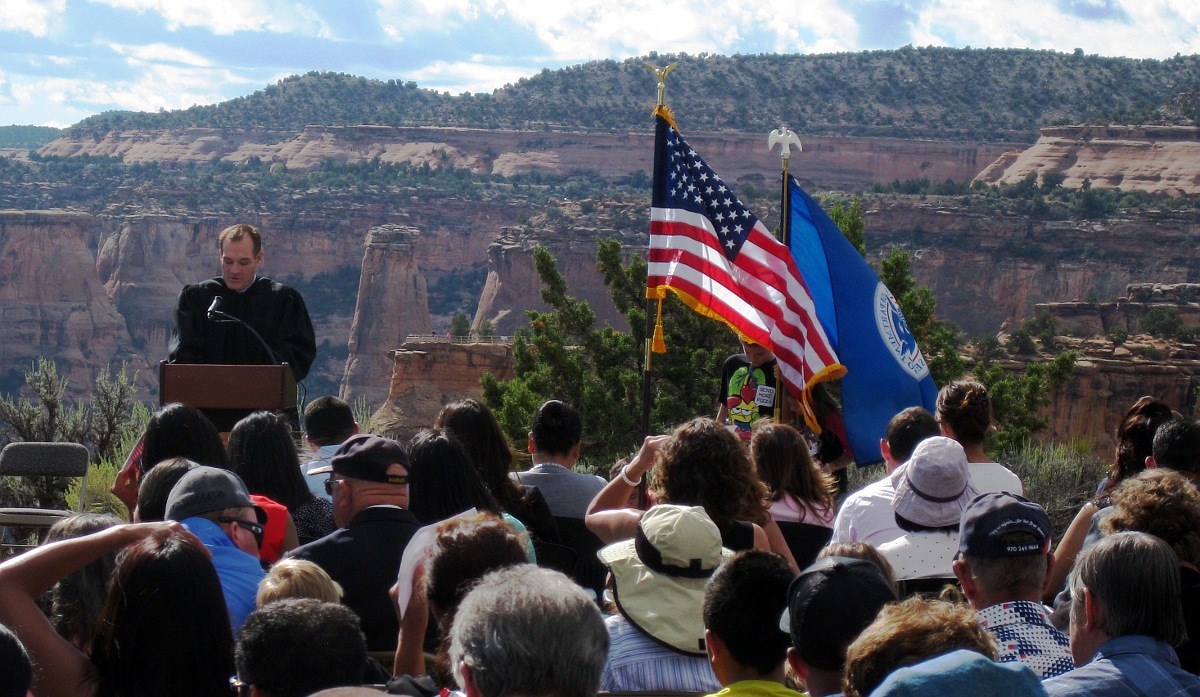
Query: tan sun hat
x=659, y=575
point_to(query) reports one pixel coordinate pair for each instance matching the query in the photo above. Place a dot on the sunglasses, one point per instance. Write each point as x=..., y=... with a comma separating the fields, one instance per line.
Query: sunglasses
x=252, y=528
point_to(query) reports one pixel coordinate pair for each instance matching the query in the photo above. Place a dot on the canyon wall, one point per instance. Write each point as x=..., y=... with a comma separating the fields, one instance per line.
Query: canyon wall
x=1158, y=159
x=742, y=158
x=986, y=267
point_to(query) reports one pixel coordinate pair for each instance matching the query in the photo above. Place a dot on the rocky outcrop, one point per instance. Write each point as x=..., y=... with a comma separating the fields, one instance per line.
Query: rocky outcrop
x=1125, y=313
x=1152, y=158
x=985, y=267
x=429, y=374
x=392, y=303
x=52, y=305
x=742, y=158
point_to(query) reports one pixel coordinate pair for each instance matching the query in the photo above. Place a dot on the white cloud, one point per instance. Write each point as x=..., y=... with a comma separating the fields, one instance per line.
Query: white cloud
x=156, y=53
x=467, y=76
x=33, y=16
x=1132, y=28
x=229, y=16
x=592, y=29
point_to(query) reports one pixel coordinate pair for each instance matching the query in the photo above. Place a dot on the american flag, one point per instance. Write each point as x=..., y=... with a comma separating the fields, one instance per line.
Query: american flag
x=719, y=258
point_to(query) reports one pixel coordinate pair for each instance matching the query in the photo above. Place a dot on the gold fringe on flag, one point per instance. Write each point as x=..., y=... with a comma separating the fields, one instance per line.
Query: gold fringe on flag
x=657, y=345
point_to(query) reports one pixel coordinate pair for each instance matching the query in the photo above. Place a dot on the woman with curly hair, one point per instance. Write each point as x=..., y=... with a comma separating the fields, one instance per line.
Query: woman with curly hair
x=964, y=413
x=1134, y=440
x=701, y=463
x=909, y=632
x=799, y=491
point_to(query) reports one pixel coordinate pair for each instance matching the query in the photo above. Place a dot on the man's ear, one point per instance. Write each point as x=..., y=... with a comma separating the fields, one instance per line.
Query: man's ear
x=885, y=450
x=468, y=682
x=799, y=667
x=1150, y=463
x=531, y=446
x=1049, y=568
x=963, y=573
x=575, y=452
x=1092, y=611
x=355, y=428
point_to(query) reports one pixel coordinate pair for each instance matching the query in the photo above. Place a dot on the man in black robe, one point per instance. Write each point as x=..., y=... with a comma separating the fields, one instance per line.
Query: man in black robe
x=276, y=311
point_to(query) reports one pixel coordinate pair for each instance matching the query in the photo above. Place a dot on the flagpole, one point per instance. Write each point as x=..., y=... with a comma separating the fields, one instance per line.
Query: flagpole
x=784, y=138
x=651, y=314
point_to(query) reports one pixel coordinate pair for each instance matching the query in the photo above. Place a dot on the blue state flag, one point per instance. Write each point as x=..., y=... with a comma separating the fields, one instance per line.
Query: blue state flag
x=886, y=372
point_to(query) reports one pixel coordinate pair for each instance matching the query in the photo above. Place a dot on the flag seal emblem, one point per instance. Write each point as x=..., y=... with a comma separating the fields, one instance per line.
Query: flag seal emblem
x=894, y=331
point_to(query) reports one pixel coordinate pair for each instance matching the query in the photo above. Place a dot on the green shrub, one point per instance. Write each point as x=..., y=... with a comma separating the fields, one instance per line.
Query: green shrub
x=1117, y=335
x=1059, y=477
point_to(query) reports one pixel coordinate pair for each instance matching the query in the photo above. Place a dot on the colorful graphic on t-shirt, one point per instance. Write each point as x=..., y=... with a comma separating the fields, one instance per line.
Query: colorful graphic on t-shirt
x=747, y=391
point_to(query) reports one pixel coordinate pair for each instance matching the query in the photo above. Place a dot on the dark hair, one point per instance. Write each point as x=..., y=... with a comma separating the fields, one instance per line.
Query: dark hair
x=464, y=552
x=742, y=605
x=156, y=486
x=237, y=231
x=76, y=599
x=164, y=628
x=964, y=405
x=475, y=426
x=297, y=646
x=557, y=427
x=781, y=457
x=1135, y=439
x=703, y=464
x=178, y=430
x=263, y=453
x=1177, y=445
x=908, y=428
x=328, y=420
x=17, y=676
x=441, y=481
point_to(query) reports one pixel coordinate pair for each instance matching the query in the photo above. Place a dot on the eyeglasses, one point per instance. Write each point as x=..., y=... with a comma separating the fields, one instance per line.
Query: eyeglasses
x=329, y=485
x=252, y=528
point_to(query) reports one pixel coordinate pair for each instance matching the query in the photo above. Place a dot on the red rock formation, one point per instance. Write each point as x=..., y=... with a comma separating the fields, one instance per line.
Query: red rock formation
x=1152, y=158
x=392, y=303
x=430, y=374
x=741, y=158
x=52, y=305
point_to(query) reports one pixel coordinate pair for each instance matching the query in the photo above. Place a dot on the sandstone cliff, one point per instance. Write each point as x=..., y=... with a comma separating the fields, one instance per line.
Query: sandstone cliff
x=1152, y=158
x=1112, y=374
x=430, y=373
x=985, y=267
x=742, y=158
x=392, y=303
x=56, y=306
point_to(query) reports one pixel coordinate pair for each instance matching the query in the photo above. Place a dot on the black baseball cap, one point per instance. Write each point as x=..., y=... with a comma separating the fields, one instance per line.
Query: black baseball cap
x=990, y=518
x=828, y=606
x=368, y=457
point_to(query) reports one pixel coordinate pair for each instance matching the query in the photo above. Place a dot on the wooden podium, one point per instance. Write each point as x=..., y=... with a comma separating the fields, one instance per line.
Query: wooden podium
x=226, y=393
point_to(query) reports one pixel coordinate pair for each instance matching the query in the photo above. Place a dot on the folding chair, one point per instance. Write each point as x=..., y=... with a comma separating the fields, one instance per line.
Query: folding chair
x=42, y=460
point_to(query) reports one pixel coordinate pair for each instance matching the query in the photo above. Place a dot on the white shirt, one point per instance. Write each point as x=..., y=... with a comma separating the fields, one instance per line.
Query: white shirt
x=867, y=515
x=993, y=476
x=922, y=554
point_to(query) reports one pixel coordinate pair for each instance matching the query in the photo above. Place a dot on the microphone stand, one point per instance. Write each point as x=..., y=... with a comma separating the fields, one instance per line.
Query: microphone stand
x=218, y=316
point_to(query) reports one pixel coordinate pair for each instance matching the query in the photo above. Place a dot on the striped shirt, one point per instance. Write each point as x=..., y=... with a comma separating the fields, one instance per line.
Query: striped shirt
x=638, y=663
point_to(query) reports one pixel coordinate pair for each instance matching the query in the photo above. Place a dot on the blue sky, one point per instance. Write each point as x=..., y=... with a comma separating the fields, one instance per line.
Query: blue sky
x=63, y=60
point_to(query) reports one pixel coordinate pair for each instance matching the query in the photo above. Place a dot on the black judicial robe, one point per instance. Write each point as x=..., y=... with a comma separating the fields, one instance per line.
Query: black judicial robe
x=276, y=311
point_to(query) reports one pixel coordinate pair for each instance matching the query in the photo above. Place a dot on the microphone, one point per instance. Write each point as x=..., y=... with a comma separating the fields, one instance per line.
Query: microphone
x=216, y=315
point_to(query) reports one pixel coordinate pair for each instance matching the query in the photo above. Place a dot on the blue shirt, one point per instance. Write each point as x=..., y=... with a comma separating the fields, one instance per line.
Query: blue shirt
x=638, y=663
x=1127, y=666
x=238, y=572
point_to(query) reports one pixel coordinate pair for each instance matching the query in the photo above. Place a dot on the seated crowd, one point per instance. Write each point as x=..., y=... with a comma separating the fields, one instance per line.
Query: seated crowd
x=733, y=569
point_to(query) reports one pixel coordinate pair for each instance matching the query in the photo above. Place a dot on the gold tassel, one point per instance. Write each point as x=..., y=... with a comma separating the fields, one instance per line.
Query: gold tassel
x=658, y=345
